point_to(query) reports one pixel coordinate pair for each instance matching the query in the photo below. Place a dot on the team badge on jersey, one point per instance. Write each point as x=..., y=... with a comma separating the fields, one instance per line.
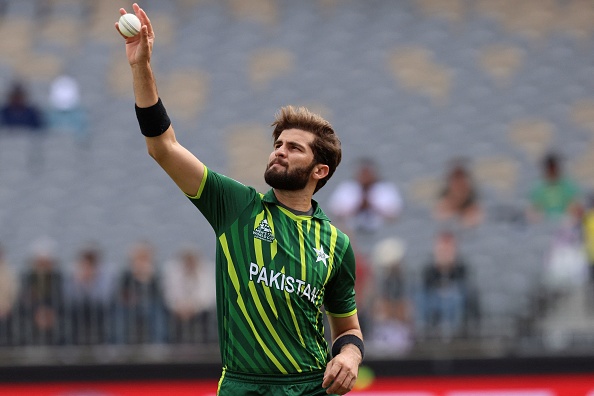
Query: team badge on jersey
x=264, y=232
x=322, y=256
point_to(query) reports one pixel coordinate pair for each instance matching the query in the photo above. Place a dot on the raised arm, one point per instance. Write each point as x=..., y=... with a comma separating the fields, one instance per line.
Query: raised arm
x=181, y=165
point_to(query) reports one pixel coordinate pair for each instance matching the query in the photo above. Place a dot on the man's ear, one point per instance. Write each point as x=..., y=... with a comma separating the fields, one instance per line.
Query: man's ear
x=320, y=171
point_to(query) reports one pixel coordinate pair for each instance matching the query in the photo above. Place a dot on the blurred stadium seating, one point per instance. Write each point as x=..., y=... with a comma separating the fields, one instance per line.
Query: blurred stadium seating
x=411, y=83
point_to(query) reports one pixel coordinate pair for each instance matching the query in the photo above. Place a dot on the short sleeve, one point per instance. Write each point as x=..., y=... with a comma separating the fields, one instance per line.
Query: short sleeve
x=221, y=199
x=339, y=297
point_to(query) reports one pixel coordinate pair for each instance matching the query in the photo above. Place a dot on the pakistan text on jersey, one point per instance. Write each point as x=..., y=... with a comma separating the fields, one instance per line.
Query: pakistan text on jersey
x=282, y=282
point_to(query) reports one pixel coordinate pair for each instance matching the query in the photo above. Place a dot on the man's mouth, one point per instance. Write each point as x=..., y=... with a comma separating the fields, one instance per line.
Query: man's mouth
x=276, y=162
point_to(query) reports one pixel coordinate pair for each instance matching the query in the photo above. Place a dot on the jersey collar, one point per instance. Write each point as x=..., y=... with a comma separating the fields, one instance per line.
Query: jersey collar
x=269, y=197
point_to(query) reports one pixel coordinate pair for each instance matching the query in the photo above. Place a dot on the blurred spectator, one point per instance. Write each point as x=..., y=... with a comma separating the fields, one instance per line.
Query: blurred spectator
x=365, y=202
x=66, y=113
x=364, y=288
x=139, y=305
x=9, y=288
x=444, y=289
x=458, y=201
x=189, y=287
x=567, y=263
x=18, y=112
x=88, y=292
x=391, y=332
x=588, y=232
x=554, y=193
x=42, y=298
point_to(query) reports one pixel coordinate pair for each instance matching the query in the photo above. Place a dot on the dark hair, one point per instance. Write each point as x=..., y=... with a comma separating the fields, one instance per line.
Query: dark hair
x=551, y=160
x=325, y=146
x=459, y=169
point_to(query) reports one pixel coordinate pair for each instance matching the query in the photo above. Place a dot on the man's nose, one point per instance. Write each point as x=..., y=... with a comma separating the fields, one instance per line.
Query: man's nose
x=280, y=151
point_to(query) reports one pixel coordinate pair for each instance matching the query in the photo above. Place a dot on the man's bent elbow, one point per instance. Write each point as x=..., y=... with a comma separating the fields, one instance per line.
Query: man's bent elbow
x=160, y=146
x=158, y=151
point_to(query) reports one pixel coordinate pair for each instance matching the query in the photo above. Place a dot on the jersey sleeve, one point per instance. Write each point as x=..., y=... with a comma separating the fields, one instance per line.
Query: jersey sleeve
x=221, y=199
x=339, y=297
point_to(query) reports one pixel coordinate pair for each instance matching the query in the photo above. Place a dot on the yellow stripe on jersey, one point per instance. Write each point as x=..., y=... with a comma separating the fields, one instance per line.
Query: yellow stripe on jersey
x=260, y=261
x=292, y=215
x=317, y=235
x=274, y=244
x=302, y=251
x=332, y=252
x=202, y=183
x=241, y=304
x=221, y=380
x=344, y=315
x=294, y=317
x=320, y=349
x=303, y=275
x=273, y=251
x=333, y=238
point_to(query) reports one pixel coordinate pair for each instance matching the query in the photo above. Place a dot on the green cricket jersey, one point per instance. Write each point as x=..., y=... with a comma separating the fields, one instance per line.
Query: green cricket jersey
x=274, y=271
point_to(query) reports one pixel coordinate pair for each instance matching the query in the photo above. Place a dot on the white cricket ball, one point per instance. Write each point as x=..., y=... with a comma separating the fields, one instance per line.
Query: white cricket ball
x=129, y=25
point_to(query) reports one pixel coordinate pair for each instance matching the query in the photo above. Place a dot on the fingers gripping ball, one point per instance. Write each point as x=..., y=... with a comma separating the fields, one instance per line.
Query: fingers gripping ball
x=129, y=25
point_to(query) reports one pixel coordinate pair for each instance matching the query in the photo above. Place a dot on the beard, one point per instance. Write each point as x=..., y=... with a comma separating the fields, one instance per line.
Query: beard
x=288, y=180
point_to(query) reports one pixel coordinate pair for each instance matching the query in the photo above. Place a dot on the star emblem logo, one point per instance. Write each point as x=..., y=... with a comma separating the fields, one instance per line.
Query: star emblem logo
x=322, y=256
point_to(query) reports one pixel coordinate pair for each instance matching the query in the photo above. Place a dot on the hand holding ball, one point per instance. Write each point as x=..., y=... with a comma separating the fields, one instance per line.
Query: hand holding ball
x=129, y=25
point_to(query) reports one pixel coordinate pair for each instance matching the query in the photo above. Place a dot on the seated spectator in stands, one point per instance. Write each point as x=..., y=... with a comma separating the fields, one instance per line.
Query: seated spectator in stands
x=189, y=288
x=566, y=265
x=392, y=331
x=366, y=202
x=18, y=113
x=88, y=292
x=554, y=193
x=139, y=305
x=66, y=114
x=41, y=297
x=9, y=288
x=458, y=201
x=444, y=289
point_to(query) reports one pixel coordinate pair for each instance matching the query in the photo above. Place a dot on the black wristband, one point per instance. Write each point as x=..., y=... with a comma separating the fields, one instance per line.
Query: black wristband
x=153, y=120
x=348, y=339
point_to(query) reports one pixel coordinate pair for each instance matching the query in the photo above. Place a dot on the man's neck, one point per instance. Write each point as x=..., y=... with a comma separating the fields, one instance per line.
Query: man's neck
x=297, y=200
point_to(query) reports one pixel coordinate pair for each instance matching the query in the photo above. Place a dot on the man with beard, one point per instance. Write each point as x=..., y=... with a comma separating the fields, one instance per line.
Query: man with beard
x=279, y=259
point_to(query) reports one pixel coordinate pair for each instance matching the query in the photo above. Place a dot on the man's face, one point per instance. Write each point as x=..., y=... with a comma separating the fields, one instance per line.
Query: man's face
x=291, y=162
x=445, y=249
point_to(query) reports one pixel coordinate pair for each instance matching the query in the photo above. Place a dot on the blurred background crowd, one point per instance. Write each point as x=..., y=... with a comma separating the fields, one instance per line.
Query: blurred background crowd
x=466, y=186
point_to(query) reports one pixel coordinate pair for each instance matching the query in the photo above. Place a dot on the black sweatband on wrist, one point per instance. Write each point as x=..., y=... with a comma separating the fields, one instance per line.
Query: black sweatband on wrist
x=153, y=120
x=348, y=339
